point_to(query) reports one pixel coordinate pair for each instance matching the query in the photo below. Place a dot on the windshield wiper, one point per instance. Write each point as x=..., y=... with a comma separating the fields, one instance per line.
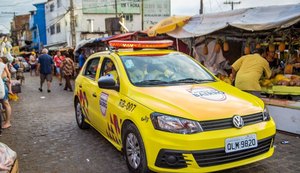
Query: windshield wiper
x=151, y=82
x=191, y=80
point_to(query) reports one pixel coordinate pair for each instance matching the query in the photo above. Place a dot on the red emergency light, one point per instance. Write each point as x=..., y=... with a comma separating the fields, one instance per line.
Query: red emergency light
x=141, y=44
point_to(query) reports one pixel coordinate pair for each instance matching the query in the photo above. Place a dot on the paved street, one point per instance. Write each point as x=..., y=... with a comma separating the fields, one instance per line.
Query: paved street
x=47, y=140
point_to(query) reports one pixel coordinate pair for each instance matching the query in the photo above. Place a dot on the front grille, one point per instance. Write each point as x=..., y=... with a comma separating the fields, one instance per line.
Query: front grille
x=227, y=123
x=218, y=156
x=179, y=162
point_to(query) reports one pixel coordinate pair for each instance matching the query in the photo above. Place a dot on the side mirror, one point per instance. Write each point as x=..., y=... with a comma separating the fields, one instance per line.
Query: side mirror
x=107, y=82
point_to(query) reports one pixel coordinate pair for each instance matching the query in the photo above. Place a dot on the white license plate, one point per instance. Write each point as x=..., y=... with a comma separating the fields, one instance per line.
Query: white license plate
x=240, y=143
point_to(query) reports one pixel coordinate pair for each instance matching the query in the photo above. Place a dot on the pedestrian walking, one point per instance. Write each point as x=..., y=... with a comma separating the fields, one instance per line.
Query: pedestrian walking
x=68, y=69
x=5, y=77
x=33, y=63
x=58, y=59
x=45, y=66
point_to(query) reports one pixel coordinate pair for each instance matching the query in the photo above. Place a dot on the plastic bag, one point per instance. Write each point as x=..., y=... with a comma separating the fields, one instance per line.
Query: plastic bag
x=7, y=158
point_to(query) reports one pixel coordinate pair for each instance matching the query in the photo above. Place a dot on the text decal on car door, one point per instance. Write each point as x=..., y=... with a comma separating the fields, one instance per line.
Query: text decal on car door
x=127, y=105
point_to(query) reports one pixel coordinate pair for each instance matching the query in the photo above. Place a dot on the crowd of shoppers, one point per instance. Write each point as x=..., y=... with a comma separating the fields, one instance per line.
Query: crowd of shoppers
x=44, y=66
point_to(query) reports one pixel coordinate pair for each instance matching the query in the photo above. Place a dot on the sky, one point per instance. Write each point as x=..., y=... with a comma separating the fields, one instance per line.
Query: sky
x=178, y=7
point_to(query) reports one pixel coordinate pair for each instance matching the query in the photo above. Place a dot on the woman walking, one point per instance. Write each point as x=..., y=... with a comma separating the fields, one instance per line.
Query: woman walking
x=68, y=70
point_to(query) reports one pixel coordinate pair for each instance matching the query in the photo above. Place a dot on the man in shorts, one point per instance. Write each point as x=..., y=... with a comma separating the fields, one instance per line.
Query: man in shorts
x=45, y=66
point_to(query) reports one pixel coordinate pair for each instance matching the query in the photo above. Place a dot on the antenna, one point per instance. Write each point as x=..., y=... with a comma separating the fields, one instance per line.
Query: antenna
x=232, y=3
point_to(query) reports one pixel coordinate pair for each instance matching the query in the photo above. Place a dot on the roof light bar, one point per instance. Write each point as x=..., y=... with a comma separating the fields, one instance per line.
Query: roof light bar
x=141, y=44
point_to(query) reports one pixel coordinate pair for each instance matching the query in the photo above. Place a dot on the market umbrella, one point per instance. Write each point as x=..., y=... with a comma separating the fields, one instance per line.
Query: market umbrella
x=168, y=24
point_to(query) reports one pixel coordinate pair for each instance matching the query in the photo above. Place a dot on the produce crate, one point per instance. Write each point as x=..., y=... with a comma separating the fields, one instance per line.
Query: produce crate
x=286, y=90
x=267, y=90
x=281, y=90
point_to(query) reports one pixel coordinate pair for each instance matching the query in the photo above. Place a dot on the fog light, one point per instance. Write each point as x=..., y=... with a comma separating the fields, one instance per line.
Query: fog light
x=171, y=160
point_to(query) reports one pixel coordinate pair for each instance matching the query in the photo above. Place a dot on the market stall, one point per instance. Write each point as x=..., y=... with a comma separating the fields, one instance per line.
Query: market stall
x=218, y=39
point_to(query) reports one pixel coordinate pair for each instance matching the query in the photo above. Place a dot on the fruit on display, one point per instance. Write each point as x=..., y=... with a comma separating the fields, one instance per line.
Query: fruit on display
x=217, y=46
x=257, y=46
x=281, y=46
x=225, y=45
x=295, y=80
x=247, y=47
x=271, y=44
x=247, y=50
x=280, y=79
x=225, y=78
x=288, y=69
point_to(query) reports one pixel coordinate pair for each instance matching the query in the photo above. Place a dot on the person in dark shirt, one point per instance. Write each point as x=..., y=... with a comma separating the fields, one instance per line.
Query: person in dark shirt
x=45, y=66
x=81, y=59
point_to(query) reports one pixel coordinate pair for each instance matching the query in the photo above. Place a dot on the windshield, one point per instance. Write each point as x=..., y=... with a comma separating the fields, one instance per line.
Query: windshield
x=166, y=69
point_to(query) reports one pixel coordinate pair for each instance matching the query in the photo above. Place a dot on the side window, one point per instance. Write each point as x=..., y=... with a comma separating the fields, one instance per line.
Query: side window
x=91, y=68
x=108, y=68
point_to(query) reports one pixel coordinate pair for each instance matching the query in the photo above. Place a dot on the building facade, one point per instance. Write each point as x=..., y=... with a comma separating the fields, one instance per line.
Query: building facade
x=37, y=25
x=99, y=18
x=20, y=33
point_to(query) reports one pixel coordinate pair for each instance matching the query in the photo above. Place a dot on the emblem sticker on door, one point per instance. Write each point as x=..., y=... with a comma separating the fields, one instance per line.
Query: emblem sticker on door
x=103, y=103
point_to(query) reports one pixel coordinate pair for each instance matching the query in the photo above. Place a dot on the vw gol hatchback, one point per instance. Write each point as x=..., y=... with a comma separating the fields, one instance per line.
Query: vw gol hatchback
x=167, y=113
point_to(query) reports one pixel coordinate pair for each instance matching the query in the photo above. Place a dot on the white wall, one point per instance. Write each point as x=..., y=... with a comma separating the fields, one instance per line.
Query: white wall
x=59, y=15
x=63, y=16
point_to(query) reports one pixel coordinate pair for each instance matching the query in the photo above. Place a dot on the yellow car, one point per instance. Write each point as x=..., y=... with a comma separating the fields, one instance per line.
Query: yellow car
x=167, y=113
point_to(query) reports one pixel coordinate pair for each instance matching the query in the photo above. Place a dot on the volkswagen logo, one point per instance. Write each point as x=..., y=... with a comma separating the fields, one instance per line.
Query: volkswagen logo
x=238, y=121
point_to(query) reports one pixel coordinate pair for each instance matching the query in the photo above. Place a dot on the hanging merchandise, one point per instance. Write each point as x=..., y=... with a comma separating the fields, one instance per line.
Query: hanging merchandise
x=271, y=44
x=257, y=46
x=247, y=47
x=217, y=47
x=225, y=45
x=205, y=48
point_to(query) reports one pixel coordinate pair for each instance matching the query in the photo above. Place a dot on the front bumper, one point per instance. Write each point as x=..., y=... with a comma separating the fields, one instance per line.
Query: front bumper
x=205, y=152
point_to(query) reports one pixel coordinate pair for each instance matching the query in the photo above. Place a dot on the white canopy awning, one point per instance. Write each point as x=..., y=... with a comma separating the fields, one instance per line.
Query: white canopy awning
x=250, y=19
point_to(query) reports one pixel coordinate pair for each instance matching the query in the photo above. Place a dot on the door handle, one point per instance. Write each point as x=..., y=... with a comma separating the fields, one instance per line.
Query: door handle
x=94, y=95
x=80, y=86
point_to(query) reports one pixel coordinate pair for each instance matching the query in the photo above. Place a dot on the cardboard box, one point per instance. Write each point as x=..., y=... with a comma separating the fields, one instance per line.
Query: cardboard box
x=15, y=167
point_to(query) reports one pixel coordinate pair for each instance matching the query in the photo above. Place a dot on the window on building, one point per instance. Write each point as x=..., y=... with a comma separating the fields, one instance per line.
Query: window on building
x=58, y=3
x=58, y=28
x=52, y=29
x=51, y=7
x=128, y=17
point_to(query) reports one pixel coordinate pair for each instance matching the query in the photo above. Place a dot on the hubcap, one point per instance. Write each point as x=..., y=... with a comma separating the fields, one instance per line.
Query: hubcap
x=78, y=113
x=133, y=150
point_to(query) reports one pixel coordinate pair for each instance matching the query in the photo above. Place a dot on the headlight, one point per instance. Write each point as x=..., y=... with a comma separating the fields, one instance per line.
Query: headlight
x=266, y=115
x=175, y=124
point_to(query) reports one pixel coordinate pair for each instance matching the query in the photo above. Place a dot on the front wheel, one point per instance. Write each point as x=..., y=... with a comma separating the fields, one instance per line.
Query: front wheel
x=80, y=116
x=134, y=150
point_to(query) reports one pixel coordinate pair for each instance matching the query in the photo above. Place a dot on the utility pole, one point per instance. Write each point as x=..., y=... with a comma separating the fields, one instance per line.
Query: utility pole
x=72, y=24
x=201, y=7
x=116, y=8
x=142, y=11
x=232, y=3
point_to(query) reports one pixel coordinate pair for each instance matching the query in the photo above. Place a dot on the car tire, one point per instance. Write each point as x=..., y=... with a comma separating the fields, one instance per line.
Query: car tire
x=134, y=150
x=80, y=119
